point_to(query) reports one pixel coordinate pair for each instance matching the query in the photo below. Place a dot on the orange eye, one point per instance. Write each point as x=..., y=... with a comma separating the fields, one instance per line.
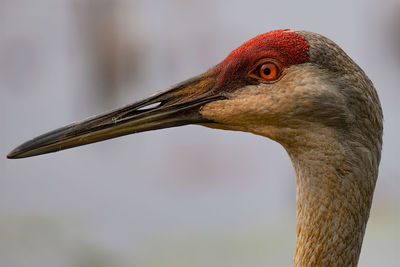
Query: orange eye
x=269, y=71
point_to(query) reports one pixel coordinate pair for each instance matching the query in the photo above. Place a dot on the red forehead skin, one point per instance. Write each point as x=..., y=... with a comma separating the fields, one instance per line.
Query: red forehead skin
x=286, y=46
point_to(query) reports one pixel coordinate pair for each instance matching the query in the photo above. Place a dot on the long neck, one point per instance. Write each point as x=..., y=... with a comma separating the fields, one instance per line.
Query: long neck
x=335, y=185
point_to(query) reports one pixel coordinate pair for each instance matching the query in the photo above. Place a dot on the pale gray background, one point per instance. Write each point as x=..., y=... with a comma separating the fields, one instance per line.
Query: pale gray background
x=187, y=196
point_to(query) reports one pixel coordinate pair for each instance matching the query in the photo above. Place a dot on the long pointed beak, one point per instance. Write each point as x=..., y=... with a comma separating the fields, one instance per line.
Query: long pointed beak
x=175, y=106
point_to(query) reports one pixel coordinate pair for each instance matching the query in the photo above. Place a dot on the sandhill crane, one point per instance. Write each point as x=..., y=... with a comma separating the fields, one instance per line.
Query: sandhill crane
x=297, y=88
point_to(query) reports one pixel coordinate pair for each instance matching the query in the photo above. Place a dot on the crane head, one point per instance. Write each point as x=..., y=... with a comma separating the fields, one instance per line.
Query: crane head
x=278, y=84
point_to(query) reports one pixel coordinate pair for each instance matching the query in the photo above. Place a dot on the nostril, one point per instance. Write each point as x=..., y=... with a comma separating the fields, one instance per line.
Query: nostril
x=134, y=112
x=150, y=106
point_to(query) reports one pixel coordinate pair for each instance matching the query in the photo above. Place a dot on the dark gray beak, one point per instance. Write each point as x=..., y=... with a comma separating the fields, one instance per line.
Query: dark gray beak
x=177, y=106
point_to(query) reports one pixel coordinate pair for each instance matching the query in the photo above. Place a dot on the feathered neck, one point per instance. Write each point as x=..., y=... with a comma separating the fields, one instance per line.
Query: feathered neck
x=335, y=185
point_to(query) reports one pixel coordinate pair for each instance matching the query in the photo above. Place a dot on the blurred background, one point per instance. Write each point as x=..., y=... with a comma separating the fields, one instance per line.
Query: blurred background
x=187, y=196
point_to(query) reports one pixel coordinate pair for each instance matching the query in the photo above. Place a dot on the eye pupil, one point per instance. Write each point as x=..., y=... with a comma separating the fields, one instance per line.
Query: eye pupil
x=267, y=71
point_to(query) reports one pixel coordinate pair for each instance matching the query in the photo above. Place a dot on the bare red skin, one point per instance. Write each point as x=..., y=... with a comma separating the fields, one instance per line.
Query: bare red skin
x=286, y=46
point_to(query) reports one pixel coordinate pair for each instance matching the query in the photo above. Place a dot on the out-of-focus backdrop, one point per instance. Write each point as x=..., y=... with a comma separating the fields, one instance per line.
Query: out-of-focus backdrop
x=187, y=196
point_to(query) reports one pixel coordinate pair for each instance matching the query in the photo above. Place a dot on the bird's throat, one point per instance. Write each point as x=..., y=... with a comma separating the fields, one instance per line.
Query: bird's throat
x=334, y=195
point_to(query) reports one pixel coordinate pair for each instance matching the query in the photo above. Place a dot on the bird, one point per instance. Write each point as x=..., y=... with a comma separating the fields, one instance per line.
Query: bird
x=295, y=87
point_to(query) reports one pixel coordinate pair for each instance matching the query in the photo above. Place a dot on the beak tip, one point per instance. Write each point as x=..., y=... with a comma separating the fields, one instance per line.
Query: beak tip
x=15, y=154
x=12, y=155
